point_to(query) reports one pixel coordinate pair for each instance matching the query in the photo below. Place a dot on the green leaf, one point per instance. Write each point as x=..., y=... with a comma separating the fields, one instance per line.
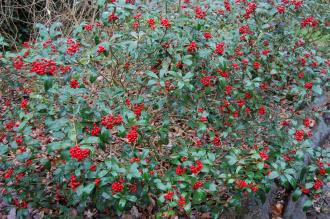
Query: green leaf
x=231, y=159
x=296, y=194
x=85, y=189
x=187, y=207
x=103, y=173
x=273, y=175
x=161, y=186
x=309, y=185
x=133, y=170
x=52, y=30
x=59, y=145
x=90, y=140
x=105, y=135
x=48, y=84
x=187, y=62
x=198, y=196
x=188, y=75
x=290, y=171
x=43, y=32
x=180, y=84
x=151, y=74
x=212, y=187
x=106, y=195
x=122, y=204
x=3, y=149
x=260, y=166
x=131, y=198
x=308, y=203
x=151, y=82
x=317, y=89
x=201, y=128
x=262, y=195
x=291, y=180
x=211, y=157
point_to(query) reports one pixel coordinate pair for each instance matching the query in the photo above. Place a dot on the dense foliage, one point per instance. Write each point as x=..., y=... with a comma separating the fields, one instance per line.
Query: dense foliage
x=190, y=107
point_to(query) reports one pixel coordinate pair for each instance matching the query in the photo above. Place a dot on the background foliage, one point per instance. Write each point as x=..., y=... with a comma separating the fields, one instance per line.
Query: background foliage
x=194, y=106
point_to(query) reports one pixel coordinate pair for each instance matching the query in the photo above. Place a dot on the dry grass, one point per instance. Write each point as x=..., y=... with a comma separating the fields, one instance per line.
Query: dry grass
x=18, y=17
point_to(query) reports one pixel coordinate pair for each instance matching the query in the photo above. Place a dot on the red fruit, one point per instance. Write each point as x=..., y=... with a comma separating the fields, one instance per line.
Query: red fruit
x=305, y=191
x=78, y=153
x=101, y=49
x=192, y=47
x=93, y=168
x=228, y=89
x=117, y=187
x=301, y=75
x=180, y=170
x=24, y=103
x=132, y=135
x=299, y=135
x=112, y=17
x=165, y=23
x=197, y=184
x=8, y=173
x=262, y=110
x=203, y=119
x=308, y=85
x=74, y=84
x=196, y=168
x=256, y=65
x=207, y=35
x=219, y=48
x=138, y=109
x=241, y=184
x=253, y=187
x=184, y=158
x=88, y=27
x=73, y=183
x=307, y=122
x=263, y=155
x=281, y=9
x=309, y=21
x=181, y=202
x=169, y=195
x=206, y=80
x=322, y=172
x=223, y=73
x=151, y=23
x=216, y=140
x=96, y=130
x=244, y=29
x=97, y=181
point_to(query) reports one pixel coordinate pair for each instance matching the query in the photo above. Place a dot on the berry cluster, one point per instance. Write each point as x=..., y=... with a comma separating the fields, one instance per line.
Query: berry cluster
x=219, y=48
x=78, y=153
x=196, y=168
x=197, y=184
x=309, y=21
x=138, y=109
x=44, y=66
x=299, y=135
x=117, y=187
x=169, y=195
x=73, y=47
x=132, y=135
x=95, y=130
x=110, y=121
x=180, y=170
x=74, y=84
x=18, y=63
x=73, y=183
